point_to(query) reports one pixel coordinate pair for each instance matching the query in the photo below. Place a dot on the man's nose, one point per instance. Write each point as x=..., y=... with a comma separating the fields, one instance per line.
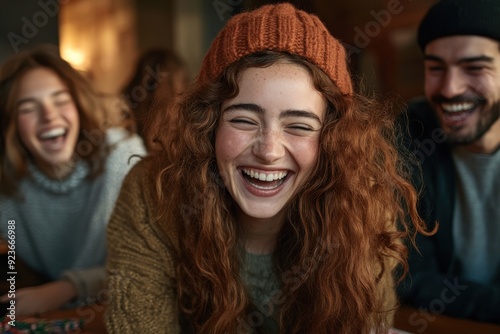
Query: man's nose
x=454, y=83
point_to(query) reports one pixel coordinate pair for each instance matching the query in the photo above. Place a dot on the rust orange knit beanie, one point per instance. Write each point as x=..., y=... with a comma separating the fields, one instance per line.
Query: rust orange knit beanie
x=278, y=27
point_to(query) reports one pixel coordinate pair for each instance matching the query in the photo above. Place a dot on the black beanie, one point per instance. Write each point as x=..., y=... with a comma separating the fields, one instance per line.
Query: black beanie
x=460, y=17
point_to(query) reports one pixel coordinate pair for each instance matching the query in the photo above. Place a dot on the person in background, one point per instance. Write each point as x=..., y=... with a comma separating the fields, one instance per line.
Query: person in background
x=455, y=133
x=274, y=208
x=160, y=76
x=60, y=174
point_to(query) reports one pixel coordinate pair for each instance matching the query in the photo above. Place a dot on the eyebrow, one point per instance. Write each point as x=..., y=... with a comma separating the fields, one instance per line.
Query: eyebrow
x=30, y=99
x=259, y=110
x=461, y=60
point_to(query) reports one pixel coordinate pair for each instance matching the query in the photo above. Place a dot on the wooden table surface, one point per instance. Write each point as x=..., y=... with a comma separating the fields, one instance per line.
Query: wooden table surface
x=415, y=321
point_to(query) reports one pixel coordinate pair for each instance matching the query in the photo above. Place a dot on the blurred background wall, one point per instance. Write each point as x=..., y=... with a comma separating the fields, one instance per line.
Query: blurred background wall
x=104, y=38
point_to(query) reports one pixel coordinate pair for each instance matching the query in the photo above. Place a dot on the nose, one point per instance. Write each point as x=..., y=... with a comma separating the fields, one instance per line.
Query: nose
x=454, y=83
x=269, y=146
x=48, y=112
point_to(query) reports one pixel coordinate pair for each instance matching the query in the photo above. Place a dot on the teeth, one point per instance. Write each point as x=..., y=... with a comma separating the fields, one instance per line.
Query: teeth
x=53, y=133
x=265, y=177
x=457, y=107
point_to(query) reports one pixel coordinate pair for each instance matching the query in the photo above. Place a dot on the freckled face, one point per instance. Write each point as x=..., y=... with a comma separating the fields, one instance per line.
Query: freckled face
x=267, y=140
x=47, y=118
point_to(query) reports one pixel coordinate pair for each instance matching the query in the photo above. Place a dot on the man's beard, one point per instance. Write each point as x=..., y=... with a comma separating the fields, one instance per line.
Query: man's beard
x=488, y=116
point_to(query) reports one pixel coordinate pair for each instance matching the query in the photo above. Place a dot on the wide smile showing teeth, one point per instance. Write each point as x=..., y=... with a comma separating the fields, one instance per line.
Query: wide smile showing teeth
x=265, y=176
x=264, y=180
x=457, y=112
x=53, y=133
x=457, y=107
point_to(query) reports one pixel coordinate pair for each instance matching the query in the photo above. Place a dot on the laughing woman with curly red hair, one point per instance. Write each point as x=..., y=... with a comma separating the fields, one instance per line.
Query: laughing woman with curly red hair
x=276, y=204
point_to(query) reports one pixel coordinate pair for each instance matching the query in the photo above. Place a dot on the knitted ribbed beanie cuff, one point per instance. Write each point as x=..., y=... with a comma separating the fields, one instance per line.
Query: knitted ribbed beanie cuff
x=281, y=28
x=460, y=17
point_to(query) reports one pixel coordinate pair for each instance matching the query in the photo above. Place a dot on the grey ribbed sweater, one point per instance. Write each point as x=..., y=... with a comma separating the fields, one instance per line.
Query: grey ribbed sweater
x=60, y=225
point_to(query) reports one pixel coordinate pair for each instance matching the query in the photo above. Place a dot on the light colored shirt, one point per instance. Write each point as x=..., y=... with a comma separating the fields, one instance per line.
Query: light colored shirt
x=476, y=219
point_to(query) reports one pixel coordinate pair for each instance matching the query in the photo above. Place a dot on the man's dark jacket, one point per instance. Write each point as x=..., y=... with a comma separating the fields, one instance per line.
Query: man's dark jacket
x=433, y=283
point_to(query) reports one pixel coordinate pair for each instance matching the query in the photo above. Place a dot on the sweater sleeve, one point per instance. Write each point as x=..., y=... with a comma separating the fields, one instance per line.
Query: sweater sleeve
x=386, y=287
x=142, y=284
x=388, y=291
x=89, y=283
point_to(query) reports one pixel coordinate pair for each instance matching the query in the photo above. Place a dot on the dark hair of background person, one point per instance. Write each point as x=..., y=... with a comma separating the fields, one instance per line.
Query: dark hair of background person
x=160, y=75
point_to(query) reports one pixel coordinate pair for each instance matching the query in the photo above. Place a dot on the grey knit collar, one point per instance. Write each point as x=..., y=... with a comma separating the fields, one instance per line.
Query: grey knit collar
x=60, y=186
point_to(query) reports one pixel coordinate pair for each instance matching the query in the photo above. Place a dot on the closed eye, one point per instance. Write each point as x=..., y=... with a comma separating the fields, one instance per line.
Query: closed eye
x=435, y=68
x=62, y=103
x=301, y=130
x=475, y=68
x=28, y=107
x=242, y=121
x=301, y=127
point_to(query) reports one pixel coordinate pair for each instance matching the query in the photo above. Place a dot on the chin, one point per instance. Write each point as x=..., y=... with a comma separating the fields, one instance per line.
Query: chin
x=62, y=160
x=262, y=213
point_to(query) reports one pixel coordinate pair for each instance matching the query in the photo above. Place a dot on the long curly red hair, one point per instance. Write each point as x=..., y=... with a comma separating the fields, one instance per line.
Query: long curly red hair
x=343, y=231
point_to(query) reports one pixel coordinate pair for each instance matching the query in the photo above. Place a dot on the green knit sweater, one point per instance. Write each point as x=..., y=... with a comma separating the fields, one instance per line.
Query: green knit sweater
x=262, y=284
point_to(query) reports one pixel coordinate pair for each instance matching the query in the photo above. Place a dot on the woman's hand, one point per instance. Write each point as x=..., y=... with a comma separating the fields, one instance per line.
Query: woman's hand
x=42, y=298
